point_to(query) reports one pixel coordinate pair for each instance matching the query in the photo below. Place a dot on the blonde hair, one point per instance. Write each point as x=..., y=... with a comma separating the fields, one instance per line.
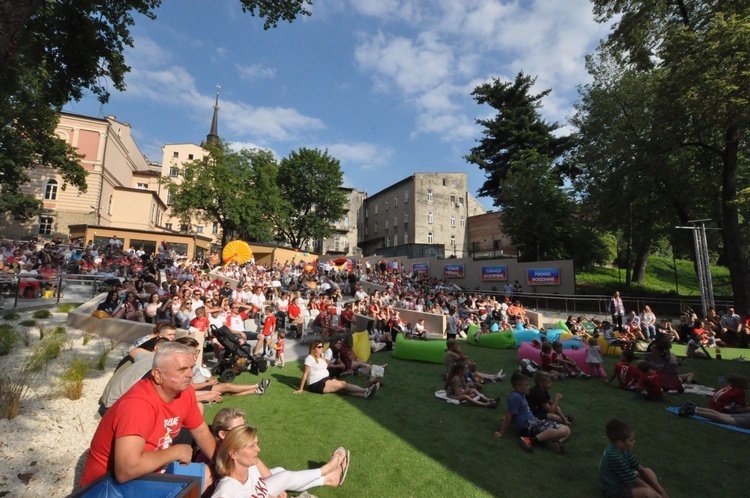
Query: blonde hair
x=223, y=418
x=238, y=438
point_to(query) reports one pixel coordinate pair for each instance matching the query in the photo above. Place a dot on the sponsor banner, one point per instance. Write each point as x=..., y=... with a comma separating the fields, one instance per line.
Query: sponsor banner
x=453, y=271
x=494, y=273
x=420, y=268
x=544, y=276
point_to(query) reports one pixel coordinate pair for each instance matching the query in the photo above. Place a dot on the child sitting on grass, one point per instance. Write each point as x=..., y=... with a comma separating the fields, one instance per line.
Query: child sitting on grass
x=649, y=383
x=542, y=405
x=456, y=388
x=547, y=360
x=570, y=366
x=620, y=474
x=627, y=374
x=533, y=430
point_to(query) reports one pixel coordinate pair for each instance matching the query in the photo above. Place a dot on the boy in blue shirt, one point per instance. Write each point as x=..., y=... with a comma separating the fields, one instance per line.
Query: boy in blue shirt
x=533, y=430
x=620, y=474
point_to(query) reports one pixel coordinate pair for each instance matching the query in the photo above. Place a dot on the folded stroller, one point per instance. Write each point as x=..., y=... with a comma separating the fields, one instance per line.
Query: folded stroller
x=237, y=357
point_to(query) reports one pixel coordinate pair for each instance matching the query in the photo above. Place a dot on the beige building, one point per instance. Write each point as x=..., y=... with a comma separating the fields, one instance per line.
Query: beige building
x=343, y=242
x=423, y=215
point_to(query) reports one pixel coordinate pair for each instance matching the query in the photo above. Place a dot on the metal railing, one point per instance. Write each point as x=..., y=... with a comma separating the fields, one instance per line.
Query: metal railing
x=44, y=287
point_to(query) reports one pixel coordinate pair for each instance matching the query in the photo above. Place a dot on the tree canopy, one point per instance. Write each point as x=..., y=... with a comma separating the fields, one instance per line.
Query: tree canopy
x=51, y=52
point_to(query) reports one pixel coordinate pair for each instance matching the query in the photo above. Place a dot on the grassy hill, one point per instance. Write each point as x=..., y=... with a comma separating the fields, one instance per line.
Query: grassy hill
x=659, y=281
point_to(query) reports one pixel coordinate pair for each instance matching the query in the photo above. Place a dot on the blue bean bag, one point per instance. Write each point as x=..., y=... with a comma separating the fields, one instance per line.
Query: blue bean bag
x=498, y=340
x=527, y=335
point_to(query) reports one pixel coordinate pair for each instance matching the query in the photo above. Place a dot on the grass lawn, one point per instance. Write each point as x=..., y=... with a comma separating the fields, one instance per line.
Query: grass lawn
x=407, y=443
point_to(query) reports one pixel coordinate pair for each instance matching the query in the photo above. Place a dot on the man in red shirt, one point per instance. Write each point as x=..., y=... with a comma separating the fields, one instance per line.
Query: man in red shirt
x=136, y=435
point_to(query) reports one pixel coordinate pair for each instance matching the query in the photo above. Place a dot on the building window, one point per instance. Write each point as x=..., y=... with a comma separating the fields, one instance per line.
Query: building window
x=429, y=237
x=168, y=226
x=406, y=196
x=462, y=220
x=184, y=228
x=386, y=205
x=460, y=201
x=336, y=243
x=175, y=154
x=174, y=171
x=453, y=200
x=406, y=238
x=199, y=229
x=453, y=184
x=141, y=186
x=45, y=225
x=376, y=208
x=395, y=221
x=367, y=231
x=50, y=190
x=453, y=220
x=429, y=195
x=387, y=242
x=215, y=228
x=406, y=217
x=429, y=216
x=395, y=203
x=395, y=240
x=170, y=201
x=445, y=182
x=453, y=241
x=386, y=224
x=367, y=212
x=109, y=205
x=190, y=156
x=346, y=221
x=375, y=230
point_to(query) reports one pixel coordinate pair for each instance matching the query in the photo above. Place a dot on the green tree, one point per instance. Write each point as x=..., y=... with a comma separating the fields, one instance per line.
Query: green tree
x=516, y=129
x=237, y=190
x=699, y=50
x=53, y=51
x=310, y=182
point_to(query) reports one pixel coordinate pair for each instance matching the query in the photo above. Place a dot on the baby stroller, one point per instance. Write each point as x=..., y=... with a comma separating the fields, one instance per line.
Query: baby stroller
x=237, y=357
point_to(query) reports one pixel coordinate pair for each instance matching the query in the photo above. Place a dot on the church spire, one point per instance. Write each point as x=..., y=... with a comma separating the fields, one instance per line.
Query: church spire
x=213, y=135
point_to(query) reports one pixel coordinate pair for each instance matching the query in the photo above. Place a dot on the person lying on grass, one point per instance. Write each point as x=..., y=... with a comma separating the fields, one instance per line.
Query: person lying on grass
x=318, y=381
x=544, y=406
x=208, y=389
x=456, y=388
x=243, y=474
x=728, y=405
x=620, y=474
x=533, y=431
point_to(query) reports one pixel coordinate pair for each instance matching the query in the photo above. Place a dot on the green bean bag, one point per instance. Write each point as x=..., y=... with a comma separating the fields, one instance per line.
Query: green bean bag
x=498, y=340
x=430, y=351
x=561, y=325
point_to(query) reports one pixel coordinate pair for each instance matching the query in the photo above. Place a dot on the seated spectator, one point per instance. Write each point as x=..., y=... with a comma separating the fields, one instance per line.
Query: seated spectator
x=456, y=387
x=626, y=373
x=542, y=405
x=664, y=363
x=130, y=309
x=318, y=381
x=623, y=342
x=137, y=435
x=649, y=383
x=111, y=304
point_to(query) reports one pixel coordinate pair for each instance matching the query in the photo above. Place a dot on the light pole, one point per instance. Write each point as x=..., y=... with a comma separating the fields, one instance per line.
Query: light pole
x=702, y=263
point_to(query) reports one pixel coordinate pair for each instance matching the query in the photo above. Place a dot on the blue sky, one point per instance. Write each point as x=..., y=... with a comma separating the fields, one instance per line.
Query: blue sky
x=384, y=85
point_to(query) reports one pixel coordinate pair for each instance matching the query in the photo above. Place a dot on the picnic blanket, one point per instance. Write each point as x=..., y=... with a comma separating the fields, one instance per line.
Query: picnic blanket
x=444, y=396
x=698, y=389
x=676, y=409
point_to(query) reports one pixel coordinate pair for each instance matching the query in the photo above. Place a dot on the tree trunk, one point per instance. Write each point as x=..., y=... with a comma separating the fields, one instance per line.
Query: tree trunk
x=14, y=14
x=736, y=260
x=641, y=260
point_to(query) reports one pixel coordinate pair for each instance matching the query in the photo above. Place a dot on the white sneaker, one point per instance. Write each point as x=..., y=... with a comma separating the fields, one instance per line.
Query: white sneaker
x=501, y=375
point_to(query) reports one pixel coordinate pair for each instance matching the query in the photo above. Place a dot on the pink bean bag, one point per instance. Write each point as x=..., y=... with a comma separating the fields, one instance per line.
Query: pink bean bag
x=527, y=351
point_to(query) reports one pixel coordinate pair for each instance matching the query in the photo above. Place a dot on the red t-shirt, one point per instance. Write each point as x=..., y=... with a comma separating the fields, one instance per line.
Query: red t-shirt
x=200, y=323
x=628, y=375
x=547, y=361
x=294, y=311
x=269, y=325
x=651, y=384
x=140, y=412
x=727, y=399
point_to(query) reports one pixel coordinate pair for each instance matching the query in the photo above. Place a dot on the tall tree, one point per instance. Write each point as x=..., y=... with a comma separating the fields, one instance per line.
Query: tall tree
x=310, y=182
x=51, y=52
x=516, y=129
x=700, y=51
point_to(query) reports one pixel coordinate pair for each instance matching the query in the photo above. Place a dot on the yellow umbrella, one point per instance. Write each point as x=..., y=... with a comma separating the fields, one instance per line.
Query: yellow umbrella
x=236, y=251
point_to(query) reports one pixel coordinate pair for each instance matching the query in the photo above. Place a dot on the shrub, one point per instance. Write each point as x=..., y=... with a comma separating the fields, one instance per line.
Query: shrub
x=68, y=307
x=8, y=338
x=72, y=378
x=28, y=323
x=12, y=391
x=42, y=314
x=101, y=360
x=59, y=330
x=45, y=351
x=10, y=316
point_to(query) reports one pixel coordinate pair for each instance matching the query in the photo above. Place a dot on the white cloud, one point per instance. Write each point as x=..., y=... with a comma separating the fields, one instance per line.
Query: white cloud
x=360, y=153
x=255, y=72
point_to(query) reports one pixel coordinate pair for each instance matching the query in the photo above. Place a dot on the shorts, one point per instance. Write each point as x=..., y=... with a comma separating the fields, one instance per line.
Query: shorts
x=318, y=387
x=626, y=491
x=536, y=426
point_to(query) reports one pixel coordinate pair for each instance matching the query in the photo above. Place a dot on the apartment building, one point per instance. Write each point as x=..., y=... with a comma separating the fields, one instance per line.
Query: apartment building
x=343, y=241
x=422, y=215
